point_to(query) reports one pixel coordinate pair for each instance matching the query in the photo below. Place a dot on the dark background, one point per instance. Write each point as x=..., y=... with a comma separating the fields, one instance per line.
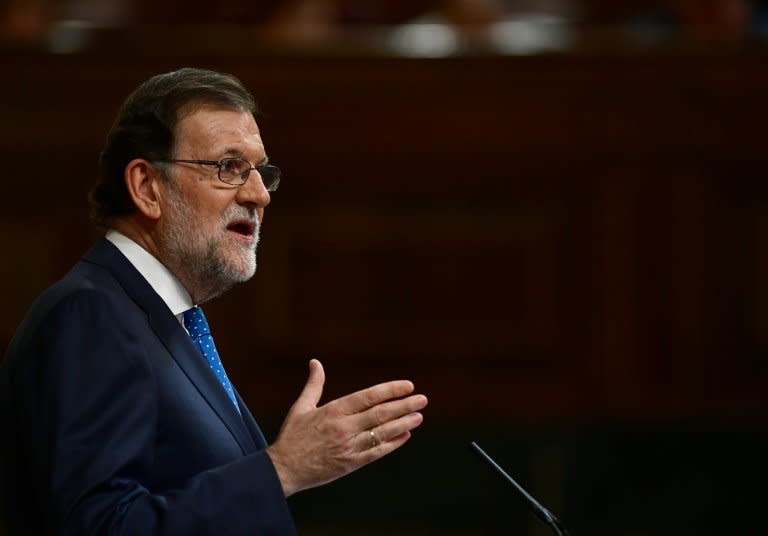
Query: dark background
x=566, y=251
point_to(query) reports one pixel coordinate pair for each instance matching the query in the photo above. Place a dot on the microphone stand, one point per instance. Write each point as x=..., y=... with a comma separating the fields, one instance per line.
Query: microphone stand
x=542, y=513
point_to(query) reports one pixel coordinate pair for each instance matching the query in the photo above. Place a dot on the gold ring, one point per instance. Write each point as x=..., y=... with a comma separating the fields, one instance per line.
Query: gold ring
x=374, y=440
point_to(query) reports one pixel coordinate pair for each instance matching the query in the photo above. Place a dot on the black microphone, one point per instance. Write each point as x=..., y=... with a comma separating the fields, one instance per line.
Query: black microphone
x=542, y=513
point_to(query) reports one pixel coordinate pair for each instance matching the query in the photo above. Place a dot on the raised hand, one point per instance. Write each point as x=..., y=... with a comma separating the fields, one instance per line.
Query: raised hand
x=319, y=444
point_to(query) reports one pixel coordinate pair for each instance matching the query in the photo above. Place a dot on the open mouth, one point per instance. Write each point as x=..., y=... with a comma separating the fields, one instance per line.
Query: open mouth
x=244, y=228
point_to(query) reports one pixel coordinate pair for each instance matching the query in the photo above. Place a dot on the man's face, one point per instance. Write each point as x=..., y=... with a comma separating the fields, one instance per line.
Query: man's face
x=209, y=229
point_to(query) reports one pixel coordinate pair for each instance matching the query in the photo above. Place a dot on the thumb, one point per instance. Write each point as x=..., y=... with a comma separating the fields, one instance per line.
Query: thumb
x=313, y=389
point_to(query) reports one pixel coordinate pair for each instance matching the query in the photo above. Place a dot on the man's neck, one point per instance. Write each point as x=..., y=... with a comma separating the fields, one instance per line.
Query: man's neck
x=147, y=236
x=159, y=277
x=140, y=234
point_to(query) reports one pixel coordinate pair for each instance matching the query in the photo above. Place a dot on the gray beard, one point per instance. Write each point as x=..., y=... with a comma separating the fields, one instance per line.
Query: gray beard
x=198, y=261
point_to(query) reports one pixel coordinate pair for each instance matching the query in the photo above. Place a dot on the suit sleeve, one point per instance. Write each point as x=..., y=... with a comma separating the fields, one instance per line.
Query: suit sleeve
x=88, y=394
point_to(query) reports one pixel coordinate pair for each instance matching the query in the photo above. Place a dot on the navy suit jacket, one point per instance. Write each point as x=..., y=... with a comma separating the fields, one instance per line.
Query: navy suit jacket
x=113, y=423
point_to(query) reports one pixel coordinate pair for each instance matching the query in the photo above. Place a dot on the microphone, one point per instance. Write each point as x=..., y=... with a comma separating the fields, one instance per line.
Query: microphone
x=542, y=513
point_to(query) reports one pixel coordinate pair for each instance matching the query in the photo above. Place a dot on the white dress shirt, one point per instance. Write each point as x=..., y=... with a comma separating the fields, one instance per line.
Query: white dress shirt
x=162, y=281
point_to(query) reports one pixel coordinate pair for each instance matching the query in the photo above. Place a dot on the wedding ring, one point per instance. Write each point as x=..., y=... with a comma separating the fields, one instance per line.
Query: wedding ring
x=374, y=440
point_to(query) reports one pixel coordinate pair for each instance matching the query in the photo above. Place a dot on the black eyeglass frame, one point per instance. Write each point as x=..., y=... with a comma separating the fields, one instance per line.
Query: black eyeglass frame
x=269, y=172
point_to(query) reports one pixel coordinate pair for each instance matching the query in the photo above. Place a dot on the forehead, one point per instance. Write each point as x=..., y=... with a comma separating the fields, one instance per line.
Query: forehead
x=212, y=131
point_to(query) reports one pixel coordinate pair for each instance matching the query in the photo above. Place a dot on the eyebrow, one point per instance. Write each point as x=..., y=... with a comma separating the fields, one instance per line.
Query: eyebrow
x=237, y=153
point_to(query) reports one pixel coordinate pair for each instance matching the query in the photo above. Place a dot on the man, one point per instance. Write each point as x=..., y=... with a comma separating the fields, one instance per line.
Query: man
x=117, y=414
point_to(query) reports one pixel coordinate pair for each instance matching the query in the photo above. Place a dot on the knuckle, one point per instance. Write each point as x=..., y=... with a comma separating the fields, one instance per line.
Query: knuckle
x=369, y=398
x=377, y=415
x=392, y=390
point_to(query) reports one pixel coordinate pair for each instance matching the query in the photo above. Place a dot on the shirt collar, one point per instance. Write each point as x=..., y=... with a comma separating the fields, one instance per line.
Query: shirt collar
x=162, y=281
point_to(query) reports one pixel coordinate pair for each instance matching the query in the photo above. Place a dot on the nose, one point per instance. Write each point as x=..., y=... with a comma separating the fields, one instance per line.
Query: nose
x=253, y=193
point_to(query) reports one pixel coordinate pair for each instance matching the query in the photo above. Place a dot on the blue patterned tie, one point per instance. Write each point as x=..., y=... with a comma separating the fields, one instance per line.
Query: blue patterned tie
x=197, y=326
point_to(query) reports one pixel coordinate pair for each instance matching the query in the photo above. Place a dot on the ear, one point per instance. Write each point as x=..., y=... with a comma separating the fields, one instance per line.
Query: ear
x=142, y=181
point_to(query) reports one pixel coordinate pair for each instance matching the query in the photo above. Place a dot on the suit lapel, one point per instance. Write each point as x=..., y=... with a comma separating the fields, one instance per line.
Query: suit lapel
x=250, y=423
x=174, y=338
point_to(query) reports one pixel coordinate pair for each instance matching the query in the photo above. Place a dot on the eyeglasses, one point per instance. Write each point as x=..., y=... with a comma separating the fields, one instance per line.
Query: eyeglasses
x=235, y=171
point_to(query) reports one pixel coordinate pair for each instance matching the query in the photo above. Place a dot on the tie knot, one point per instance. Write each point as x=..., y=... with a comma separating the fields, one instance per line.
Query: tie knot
x=196, y=323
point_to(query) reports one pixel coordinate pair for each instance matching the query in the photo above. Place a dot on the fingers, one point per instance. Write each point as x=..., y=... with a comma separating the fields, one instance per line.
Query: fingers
x=370, y=397
x=388, y=411
x=313, y=389
x=382, y=449
x=389, y=432
x=319, y=444
x=388, y=419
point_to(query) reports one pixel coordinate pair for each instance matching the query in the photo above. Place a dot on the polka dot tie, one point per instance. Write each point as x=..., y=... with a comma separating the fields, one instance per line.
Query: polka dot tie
x=197, y=326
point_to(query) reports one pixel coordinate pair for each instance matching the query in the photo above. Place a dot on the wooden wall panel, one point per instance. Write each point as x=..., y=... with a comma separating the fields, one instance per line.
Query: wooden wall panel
x=563, y=237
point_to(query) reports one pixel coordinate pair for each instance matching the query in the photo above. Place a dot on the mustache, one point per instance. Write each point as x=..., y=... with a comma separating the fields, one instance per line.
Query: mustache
x=240, y=214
